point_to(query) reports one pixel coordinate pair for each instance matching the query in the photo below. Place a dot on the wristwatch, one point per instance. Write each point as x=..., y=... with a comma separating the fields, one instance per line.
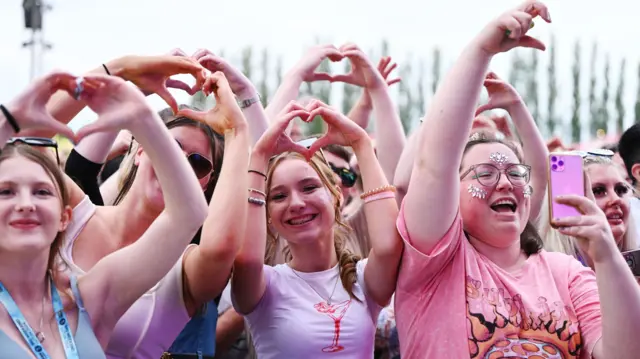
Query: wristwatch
x=248, y=102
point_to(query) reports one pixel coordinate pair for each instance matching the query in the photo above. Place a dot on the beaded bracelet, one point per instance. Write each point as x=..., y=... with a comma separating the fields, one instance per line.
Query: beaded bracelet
x=387, y=188
x=257, y=201
x=379, y=196
x=258, y=192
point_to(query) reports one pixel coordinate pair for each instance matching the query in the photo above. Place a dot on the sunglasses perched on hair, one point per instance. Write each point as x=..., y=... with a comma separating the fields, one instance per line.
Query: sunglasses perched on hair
x=36, y=142
x=200, y=164
x=595, y=153
x=347, y=176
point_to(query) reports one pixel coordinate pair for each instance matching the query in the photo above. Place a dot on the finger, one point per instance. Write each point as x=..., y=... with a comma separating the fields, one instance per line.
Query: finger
x=577, y=232
x=581, y=203
x=530, y=42
x=355, y=54
x=320, y=143
x=192, y=114
x=483, y=108
x=211, y=62
x=101, y=125
x=349, y=46
x=571, y=221
x=383, y=63
x=315, y=104
x=221, y=89
x=322, y=76
x=491, y=76
x=177, y=52
x=388, y=71
x=525, y=21
x=200, y=53
x=294, y=147
x=346, y=78
x=177, y=84
x=512, y=27
x=332, y=53
x=285, y=119
x=535, y=8
x=164, y=94
x=394, y=81
x=60, y=128
x=291, y=106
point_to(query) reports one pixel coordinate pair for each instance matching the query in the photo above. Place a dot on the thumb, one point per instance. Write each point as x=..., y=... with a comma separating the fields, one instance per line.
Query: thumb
x=177, y=84
x=530, y=42
x=62, y=129
x=194, y=115
x=323, y=141
x=482, y=108
x=98, y=126
x=164, y=94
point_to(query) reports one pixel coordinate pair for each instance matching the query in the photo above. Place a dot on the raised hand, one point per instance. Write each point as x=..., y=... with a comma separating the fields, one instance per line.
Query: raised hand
x=239, y=83
x=311, y=60
x=510, y=29
x=386, y=66
x=118, y=105
x=29, y=108
x=363, y=73
x=501, y=94
x=152, y=74
x=275, y=140
x=226, y=115
x=341, y=130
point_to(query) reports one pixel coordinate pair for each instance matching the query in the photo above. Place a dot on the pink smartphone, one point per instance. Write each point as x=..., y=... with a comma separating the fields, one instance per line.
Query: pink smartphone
x=565, y=177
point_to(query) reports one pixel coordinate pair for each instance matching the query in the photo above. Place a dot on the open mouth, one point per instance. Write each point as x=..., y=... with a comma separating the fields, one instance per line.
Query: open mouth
x=615, y=218
x=301, y=220
x=504, y=206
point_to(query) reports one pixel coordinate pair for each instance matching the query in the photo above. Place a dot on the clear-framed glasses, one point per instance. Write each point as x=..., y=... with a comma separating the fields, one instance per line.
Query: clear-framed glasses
x=37, y=142
x=488, y=175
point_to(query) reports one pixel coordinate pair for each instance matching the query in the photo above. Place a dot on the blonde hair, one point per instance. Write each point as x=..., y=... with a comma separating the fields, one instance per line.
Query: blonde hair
x=341, y=231
x=556, y=242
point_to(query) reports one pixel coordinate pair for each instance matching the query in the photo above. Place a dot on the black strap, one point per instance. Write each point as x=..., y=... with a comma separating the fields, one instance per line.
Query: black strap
x=12, y=120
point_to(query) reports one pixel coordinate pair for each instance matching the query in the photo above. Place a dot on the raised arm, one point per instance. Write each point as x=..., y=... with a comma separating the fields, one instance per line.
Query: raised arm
x=243, y=89
x=503, y=95
x=390, y=136
x=248, y=281
x=109, y=287
x=432, y=200
x=304, y=71
x=207, y=267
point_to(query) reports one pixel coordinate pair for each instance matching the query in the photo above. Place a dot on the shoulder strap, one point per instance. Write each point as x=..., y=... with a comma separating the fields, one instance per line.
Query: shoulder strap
x=76, y=292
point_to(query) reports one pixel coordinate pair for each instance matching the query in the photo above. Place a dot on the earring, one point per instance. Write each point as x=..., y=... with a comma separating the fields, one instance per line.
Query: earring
x=476, y=192
x=528, y=191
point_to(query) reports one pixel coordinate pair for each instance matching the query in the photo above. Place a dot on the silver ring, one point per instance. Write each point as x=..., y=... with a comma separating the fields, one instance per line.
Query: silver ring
x=79, y=87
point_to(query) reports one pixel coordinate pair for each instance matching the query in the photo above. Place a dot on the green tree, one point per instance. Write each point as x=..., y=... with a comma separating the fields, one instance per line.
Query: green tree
x=384, y=48
x=620, y=111
x=405, y=100
x=279, y=71
x=435, y=69
x=552, y=92
x=350, y=92
x=593, y=101
x=575, y=117
x=420, y=100
x=603, y=116
x=532, y=86
x=247, y=61
x=263, y=87
x=518, y=73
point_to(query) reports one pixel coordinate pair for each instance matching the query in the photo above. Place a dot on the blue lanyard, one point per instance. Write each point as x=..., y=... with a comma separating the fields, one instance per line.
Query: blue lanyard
x=29, y=336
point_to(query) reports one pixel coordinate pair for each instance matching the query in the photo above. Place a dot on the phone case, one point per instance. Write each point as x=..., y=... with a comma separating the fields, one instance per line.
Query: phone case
x=633, y=260
x=565, y=177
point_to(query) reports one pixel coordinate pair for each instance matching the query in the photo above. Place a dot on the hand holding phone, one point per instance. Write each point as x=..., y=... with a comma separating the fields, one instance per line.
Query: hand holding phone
x=566, y=176
x=633, y=260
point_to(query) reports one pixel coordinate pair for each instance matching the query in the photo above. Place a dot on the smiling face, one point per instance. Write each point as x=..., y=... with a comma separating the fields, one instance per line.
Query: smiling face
x=500, y=217
x=612, y=193
x=31, y=205
x=193, y=141
x=302, y=199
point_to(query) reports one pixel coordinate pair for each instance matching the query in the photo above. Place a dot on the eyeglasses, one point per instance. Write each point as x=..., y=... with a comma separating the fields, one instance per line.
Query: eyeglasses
x=37, y=142
x=488, y=175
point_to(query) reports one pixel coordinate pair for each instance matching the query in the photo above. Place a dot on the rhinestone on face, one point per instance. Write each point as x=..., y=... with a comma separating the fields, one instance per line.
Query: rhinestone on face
x=528, y=191
x=476, y=192
x=498, y=158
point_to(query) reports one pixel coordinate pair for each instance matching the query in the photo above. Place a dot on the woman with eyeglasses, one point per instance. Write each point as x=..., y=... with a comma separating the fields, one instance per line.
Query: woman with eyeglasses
x=324, y=300
x=46, y=311
x=474, y=265
x=611, y=193
x=150, y=327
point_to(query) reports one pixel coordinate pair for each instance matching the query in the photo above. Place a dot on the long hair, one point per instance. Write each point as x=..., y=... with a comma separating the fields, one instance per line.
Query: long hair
x=557, y=242
x=530, y=240
x=54, y=172
x=346, y=260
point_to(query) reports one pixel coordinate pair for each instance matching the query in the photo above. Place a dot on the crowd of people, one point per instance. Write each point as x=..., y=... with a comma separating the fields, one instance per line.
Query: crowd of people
x=228, y=233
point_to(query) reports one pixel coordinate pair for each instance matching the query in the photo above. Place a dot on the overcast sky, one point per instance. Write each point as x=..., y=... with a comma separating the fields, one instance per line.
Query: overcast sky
x=86, y=33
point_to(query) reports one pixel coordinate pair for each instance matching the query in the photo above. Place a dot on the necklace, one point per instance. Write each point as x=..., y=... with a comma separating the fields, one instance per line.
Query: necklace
x=328, y=300
x=40, y=334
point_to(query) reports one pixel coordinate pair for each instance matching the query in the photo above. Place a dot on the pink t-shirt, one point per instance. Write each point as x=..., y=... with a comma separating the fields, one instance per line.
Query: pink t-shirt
x=293, y=321
x=456, y=303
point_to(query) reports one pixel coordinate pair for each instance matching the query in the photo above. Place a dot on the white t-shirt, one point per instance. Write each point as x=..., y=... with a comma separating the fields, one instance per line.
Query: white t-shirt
x=634, y=204
x=293, y=321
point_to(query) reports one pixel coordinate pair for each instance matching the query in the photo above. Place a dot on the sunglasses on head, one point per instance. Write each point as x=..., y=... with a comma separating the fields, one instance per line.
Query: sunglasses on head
x=347, y=176
x=37, y=142
x=200, y=164
x=595, y=153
